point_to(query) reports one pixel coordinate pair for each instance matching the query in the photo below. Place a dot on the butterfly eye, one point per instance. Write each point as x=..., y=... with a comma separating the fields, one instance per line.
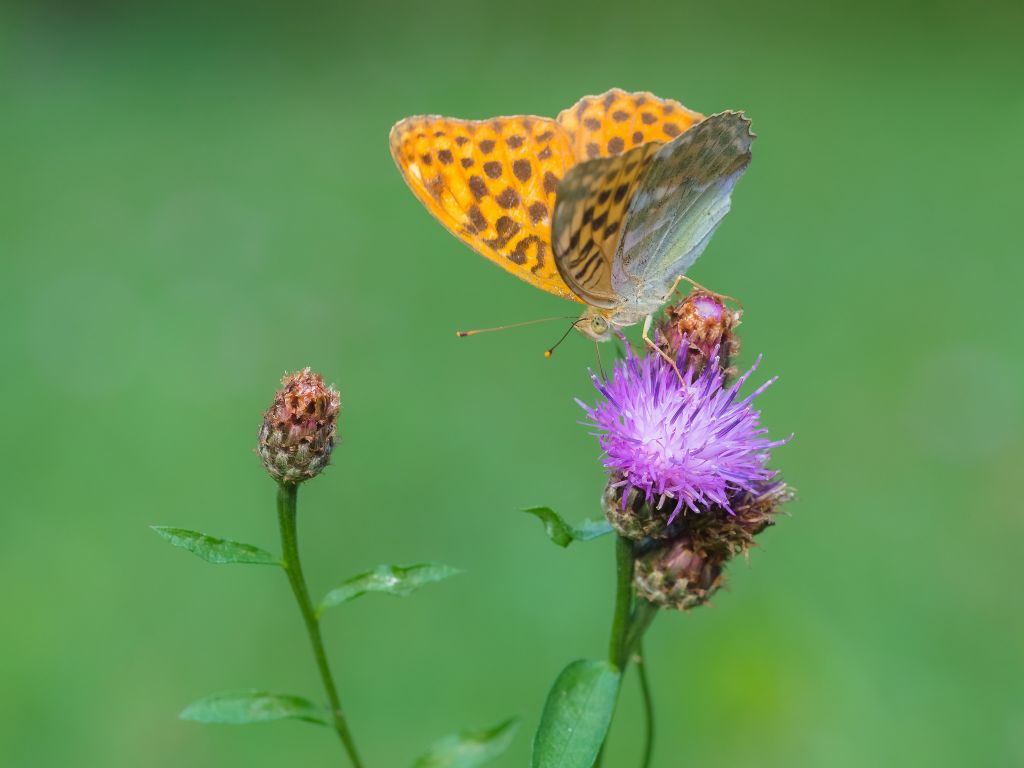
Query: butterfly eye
x=598, y=324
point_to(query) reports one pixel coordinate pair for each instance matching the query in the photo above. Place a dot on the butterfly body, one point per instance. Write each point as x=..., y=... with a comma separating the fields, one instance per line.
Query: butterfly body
x=608, y=205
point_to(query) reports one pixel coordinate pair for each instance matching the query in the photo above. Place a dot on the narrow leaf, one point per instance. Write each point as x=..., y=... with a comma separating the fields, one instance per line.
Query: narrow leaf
x=241, y=707
x=564, y=534
x=390, y=579
x=215, y=550
x=576, y=716
x=469, y=749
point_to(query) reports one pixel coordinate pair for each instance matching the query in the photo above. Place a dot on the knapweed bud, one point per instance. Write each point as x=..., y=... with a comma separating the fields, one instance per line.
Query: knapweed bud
x=687, y=570
x=704, y=321
x=677, y=576
x=298, y=430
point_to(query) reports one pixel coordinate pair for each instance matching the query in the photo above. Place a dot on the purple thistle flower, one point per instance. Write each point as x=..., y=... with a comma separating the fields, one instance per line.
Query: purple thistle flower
x=690, y=440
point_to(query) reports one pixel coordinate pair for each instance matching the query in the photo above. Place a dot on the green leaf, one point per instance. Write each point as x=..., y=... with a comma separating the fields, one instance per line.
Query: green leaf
x=391, y=579
x=241, y=707
x=576, y=716
x=564, y=534
x=215, y=550
x=469, y=749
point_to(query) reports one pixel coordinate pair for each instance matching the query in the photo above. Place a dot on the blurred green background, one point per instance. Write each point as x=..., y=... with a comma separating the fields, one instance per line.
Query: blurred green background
x=198, y=198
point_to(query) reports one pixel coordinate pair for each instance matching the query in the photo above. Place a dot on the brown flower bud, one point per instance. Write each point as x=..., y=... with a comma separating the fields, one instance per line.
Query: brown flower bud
x=297, y=436
x=706, y=322
x=688, y=569
x=677, y=576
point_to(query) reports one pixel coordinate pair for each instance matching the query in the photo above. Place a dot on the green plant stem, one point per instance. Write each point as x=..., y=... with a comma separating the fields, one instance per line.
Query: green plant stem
x=629, y=623
x=286, y=514
x=645, y=692
x=617, y=653
x=639, y=622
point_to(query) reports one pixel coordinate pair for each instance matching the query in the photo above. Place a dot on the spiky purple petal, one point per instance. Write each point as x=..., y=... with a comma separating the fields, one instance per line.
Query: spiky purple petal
x=689, y=441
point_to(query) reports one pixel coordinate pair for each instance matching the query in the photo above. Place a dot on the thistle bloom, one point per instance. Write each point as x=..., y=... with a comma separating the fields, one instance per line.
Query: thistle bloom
x=690, y=441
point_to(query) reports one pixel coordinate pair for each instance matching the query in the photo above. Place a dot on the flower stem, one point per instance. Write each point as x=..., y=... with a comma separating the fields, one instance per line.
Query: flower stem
x=629, y=622
x=645, y=692
x=643, y=614
x=286, y=514
x=618, y=655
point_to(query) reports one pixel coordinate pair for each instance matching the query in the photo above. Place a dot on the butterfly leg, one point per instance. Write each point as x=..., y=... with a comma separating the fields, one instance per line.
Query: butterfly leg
x=700, y=287
x=675, y=285
x=659, y=350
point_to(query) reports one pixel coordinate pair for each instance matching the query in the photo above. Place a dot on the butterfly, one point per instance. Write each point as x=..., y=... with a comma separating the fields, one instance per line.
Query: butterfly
x=608, y=204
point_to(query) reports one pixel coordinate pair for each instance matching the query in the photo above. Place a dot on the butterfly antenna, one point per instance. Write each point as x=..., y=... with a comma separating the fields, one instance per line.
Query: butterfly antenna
x=549, y=352
x=700, y=287
x=462, y=334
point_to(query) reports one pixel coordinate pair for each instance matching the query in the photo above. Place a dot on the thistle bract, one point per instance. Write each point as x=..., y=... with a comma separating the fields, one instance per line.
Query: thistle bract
x=685, y=441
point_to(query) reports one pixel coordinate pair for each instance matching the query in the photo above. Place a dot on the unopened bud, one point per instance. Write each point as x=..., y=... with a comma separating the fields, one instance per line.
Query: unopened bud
x=688, y=569
x=677, y=576
x=298, y=432
x=705, y=322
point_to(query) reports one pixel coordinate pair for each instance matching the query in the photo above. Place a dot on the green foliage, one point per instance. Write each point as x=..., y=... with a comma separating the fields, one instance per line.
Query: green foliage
x=564, y=534
x=215, y=550
x=469, y=749
x=390, y=579
x=576, y=716
x=242, y=707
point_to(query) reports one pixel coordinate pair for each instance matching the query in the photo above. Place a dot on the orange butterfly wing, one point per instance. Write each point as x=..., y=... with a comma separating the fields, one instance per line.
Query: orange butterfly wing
x=590, y=213
x=609, y=124
x=492, y=184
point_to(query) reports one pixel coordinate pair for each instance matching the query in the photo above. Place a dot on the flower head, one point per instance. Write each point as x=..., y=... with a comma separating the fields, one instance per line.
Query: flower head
x=689, y=441
x=298, y=431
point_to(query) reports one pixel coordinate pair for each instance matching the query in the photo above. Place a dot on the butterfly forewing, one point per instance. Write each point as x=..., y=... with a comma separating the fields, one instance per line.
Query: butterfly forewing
x=616, y=121
x=680, y=201
x=589, y=212
x=492, y=183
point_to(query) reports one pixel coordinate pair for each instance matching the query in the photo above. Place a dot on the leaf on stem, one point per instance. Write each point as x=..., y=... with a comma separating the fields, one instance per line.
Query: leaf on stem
x=576, y=716
x=242, y=707
x=564, y=534
x=215, y=550
x=390, y=579
x=469, y=749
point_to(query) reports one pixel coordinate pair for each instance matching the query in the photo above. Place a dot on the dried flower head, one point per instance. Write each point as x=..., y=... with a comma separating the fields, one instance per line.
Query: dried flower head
x=297, y=436
x=704, y=321
x=688, y=442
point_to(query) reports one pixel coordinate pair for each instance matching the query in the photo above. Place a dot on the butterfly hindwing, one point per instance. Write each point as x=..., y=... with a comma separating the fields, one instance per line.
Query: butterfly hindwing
x=589, y=212
x=616, y=121
x=492, y=183
x=680, y=201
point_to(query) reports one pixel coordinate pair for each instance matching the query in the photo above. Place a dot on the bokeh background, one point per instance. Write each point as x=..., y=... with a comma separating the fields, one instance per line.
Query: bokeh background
x=198, y=197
